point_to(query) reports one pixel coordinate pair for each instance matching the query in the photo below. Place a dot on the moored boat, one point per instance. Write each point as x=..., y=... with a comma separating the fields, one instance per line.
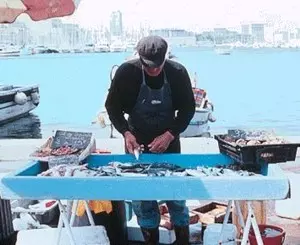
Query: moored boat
x=9, y=52
x=17, y=101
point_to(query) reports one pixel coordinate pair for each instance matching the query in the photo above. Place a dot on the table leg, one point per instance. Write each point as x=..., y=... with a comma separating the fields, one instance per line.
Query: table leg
x=64, y=218
x=251, y=220
x=73, y=212
x=226, y=218
x=239, y=213
x=87, y=209
x=241, y=222
x=255, y=226
x=59, y=229
x=89, y=213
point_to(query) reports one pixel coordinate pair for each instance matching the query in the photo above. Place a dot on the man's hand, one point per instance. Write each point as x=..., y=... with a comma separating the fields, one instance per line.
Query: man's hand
x=161, y=143
x=130, y=142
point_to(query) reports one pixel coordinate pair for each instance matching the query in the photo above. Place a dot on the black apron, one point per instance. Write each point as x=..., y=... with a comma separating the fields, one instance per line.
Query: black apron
x=153, y=114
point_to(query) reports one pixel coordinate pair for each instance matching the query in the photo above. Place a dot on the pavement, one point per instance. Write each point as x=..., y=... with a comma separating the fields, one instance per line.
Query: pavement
x=16, y=153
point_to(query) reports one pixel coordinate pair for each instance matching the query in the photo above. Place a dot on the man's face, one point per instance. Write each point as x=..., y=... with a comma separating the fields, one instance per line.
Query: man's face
x=153, y=72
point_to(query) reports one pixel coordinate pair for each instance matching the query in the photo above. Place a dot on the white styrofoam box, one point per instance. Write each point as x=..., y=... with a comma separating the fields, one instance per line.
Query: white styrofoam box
x=165, y=236
x=20, y=203
x=195, y=233
x=88, y=235
x=191, y=204
x=213, y=231
x=290, y=208
x=135, y=234
x=1, y=185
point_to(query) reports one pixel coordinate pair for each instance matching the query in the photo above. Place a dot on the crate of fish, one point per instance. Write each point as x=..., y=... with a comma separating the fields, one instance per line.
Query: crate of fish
x=152, y=177
x=66, y=146
x=256, y=147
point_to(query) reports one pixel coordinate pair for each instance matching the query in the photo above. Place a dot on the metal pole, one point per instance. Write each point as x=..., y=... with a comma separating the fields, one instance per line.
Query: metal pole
x=66, y=223
x=226, y=218
x=89, y=213
x=254, y=225
x=73, y=212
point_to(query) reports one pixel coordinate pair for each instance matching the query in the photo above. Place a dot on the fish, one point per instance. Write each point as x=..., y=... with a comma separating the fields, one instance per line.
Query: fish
x=146, y=169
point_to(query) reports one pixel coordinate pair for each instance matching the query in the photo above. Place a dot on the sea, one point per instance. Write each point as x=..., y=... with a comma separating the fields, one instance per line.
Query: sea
x=250, y=89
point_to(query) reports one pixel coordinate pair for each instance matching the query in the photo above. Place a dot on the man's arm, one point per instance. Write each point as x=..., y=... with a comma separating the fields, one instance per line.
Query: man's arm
x=115, y=99
x=185, y=100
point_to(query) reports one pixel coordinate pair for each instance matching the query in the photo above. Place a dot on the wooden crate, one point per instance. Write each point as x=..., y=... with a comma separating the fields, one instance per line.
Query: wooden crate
x=210, y=213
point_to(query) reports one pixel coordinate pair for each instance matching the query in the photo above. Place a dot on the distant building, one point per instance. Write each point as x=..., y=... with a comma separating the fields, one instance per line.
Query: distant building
x=246, y=39
x=223, y=35
x=219, y=36
x=258, y=32
x=116, y=24
x=221, y=31
x=292, y=35
x=176, y=37
x=298, y=33
x=281, y=37
x=285, y=36
x=16, y=33
x=245, y=29
x=56, y=23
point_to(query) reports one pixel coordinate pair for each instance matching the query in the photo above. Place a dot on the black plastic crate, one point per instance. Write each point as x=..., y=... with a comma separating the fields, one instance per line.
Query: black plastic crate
x=273, y=153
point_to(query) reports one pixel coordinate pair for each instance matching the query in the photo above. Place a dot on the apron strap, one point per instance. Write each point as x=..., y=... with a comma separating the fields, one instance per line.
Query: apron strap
x=143, y=76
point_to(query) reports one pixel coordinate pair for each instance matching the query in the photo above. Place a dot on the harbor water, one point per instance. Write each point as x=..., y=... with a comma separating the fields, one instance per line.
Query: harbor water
x=251, y=88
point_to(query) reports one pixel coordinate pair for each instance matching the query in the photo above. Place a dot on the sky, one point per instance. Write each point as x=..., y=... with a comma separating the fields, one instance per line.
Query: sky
x=189, y=14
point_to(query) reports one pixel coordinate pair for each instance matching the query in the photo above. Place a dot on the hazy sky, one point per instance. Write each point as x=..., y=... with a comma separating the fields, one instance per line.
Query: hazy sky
x=187, y=13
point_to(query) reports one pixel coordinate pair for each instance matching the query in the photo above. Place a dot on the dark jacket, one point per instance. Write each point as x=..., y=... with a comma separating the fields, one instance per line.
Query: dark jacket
x=125, y=88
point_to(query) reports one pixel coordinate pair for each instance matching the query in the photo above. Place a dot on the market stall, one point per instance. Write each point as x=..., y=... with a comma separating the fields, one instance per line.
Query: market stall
x=35, y=181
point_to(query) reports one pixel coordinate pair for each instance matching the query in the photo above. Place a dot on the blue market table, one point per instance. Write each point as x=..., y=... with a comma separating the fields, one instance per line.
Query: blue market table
x=272, y=184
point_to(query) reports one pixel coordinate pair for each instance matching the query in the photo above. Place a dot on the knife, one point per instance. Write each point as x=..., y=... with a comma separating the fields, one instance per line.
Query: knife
x=136, y=154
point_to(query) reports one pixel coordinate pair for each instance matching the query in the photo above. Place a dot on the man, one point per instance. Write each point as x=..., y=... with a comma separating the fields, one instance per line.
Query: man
x=150, y=89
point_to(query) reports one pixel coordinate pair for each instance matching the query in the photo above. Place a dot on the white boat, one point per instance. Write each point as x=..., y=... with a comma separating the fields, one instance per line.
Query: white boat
x=78, y=50
x=17, y=101
x=89, y=48
x=223, y=50
x=9, y=52
x=117, y=46
x=131, y=46
x=65, y=50
x=199, y=125
x=102, y=48
x=39, y=50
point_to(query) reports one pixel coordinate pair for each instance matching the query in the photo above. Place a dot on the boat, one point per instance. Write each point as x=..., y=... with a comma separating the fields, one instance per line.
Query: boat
x=9, y=52
x=89, y=48
x=117, y=46
x=199, y=125
x=131, y=46
x=27, y=127
x=40, y=49
x=17, y=101
x=78, y=50
x=102, y=48
x=223, y=49
x=65, y=50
